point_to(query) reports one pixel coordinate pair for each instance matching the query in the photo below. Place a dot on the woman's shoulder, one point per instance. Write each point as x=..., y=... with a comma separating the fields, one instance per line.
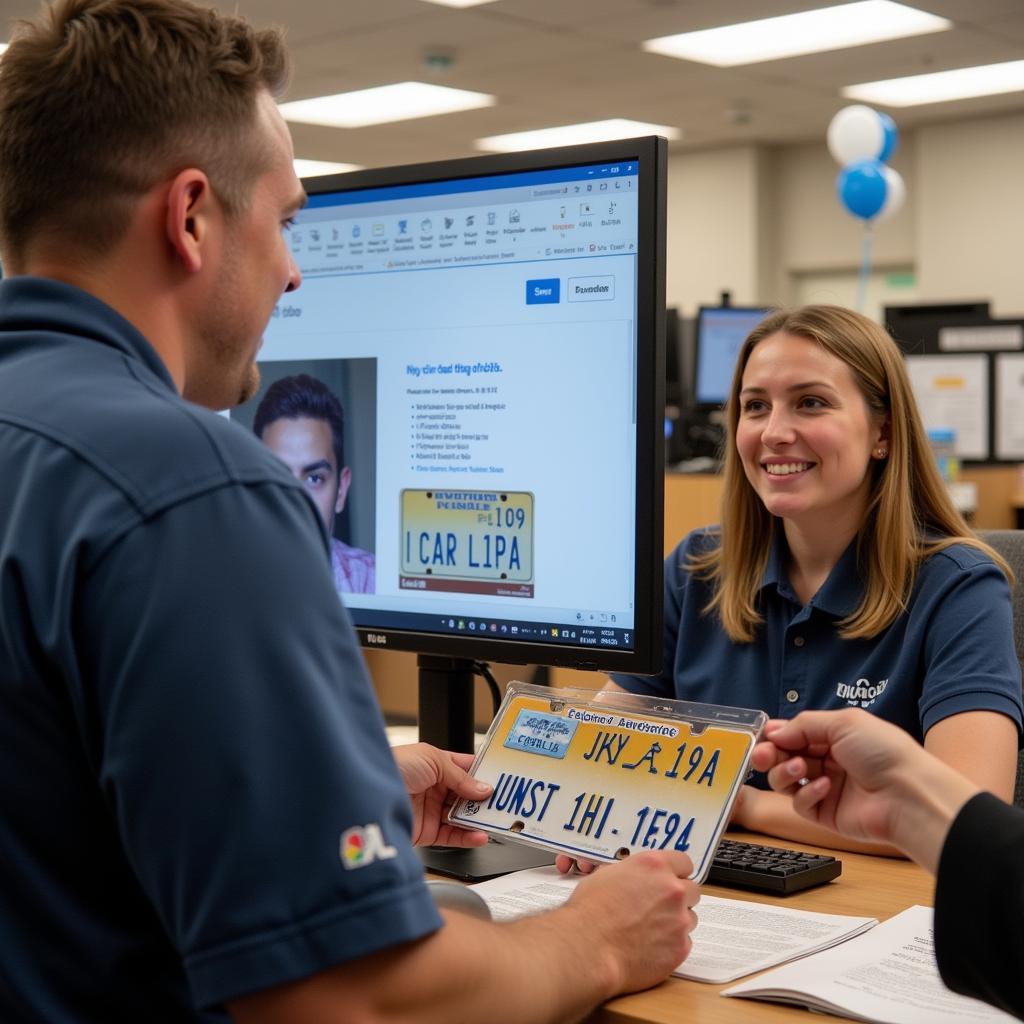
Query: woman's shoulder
x=696, y=543
x=955, y=556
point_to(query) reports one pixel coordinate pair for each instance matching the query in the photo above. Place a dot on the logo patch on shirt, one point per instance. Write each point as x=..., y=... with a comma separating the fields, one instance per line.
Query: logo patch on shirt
x=861, y=694
x=362, y=845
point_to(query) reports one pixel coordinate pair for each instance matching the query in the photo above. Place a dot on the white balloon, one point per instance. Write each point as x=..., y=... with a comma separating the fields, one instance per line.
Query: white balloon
x=895, y=193
x=856, y=133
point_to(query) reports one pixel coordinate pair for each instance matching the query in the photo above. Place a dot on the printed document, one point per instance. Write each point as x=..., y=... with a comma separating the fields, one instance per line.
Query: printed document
x=887, y=976
x=733, y=938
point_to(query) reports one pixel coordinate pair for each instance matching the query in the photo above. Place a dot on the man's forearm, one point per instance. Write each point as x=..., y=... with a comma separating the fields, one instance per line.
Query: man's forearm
x=540, y=969
x=926, y=799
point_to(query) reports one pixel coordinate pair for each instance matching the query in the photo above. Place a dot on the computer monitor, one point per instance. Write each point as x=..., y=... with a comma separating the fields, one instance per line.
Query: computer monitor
x=721, y=330
x=494, y=328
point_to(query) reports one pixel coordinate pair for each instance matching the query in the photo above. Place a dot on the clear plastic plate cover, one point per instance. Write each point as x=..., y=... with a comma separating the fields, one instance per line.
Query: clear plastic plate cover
x=603, y=774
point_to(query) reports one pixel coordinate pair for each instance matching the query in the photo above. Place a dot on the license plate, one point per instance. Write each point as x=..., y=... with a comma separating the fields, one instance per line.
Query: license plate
x=601, y=777
x=475, y=541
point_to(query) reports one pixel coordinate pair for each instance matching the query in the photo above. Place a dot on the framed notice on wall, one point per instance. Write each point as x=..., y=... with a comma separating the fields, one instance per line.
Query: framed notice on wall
x=953, y=394
x=1009, y=402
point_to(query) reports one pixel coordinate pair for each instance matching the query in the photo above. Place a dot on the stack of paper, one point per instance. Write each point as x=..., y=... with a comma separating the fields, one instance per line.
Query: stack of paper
x=733, y=938
x=888, y=976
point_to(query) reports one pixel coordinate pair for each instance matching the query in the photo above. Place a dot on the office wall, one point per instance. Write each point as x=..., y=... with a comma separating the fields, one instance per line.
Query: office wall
x=713, y=220
x=749, y=219
x=971, y=196
x=816, y=233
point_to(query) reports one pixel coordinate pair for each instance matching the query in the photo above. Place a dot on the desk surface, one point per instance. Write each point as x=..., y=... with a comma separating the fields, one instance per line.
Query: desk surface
x=869, y=886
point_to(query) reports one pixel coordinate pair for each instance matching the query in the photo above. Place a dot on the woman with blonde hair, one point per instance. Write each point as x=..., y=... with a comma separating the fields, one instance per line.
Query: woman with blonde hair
x=841, y=573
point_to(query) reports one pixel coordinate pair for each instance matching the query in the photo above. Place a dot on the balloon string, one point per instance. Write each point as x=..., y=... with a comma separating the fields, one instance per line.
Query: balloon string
x=865, y=267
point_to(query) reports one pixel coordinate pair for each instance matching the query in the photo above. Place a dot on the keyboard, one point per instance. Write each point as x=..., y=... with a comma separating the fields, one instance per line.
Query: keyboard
x=770, y=869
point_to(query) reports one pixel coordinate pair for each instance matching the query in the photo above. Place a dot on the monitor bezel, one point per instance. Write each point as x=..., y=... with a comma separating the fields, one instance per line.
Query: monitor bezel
x=651, y=155
x=699, y=405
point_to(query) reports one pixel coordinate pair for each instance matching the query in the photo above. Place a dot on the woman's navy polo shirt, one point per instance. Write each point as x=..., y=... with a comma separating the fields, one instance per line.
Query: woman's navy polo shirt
x=951, y=651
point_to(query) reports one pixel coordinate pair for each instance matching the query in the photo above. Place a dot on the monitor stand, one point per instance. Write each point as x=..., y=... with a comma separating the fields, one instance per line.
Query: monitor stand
x=446, y=698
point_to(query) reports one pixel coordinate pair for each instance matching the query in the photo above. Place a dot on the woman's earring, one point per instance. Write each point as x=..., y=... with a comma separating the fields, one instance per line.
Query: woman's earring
x=881, y=453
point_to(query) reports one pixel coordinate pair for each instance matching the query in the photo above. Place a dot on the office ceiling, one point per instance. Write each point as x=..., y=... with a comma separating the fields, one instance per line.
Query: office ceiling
x=554, y=62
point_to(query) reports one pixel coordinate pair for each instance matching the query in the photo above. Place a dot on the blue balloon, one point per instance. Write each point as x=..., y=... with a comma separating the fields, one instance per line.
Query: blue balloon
x=862, y=188
x=891, y=136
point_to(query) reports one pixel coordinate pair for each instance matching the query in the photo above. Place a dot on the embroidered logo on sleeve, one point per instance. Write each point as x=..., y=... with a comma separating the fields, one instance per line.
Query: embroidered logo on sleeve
x=362, y=845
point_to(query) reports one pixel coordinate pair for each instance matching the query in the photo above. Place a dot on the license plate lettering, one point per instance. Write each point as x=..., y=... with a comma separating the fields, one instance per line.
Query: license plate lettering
x=497, y=551
x=687, y=763
x=522, y=797
x=590, y=809
x=661, y=825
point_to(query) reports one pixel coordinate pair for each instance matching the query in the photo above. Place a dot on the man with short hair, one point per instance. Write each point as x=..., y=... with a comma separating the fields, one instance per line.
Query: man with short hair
x=302, y=422
x=198, y=807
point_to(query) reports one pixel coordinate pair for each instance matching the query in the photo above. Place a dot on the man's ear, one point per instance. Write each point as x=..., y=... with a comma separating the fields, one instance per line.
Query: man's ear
x=344, y=483
x=190, y=207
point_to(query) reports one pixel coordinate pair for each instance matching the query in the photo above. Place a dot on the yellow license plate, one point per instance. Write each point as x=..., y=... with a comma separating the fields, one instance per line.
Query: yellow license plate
x=476, y=536
x=595, y=780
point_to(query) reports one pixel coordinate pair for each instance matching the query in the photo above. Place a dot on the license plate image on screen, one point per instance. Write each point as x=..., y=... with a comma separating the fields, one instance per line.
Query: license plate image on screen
x=492, y=330
x=470, y=542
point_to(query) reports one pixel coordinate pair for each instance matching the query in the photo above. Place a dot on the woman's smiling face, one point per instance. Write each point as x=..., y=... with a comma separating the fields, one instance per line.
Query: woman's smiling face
x=805, y=435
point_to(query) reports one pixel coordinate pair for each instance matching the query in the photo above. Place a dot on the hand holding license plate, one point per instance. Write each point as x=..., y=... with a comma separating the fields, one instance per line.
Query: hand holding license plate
x=603, y=775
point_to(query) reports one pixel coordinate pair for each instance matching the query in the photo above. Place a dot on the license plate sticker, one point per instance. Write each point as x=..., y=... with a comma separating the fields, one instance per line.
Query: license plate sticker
x=537, y=733
x=468, y=541
x=597, y=780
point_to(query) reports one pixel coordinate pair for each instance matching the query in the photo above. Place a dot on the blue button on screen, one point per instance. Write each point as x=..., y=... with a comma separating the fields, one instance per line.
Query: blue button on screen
x=539, y=292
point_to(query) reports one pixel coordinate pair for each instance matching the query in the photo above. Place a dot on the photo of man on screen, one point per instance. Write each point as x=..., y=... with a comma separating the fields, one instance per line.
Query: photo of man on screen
x=302, y=422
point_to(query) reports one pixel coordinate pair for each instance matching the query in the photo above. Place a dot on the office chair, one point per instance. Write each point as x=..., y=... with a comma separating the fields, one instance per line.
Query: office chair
x=1010, y=544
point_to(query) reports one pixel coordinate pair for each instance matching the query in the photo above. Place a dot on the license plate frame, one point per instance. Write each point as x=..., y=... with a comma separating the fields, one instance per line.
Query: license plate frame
x=602, y=775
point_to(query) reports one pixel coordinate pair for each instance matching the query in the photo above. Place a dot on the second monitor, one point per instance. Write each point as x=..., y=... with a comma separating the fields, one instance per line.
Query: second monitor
x=721, y=330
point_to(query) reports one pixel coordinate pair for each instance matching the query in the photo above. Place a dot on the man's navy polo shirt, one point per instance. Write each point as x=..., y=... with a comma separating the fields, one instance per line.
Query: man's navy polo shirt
x=197, y=799
x=951, y=651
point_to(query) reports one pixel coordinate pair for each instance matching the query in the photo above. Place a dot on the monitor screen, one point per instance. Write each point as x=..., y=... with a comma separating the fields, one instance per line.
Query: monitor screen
x=492, y=330
x=721, y=330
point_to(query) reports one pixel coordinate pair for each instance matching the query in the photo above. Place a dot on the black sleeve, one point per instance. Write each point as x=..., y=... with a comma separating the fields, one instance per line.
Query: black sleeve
x=979, y=904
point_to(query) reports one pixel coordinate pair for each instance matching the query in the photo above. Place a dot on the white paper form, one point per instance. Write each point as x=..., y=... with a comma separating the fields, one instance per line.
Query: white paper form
x=733, y=938
x=738, y=937
x=526, y=892
x=1009, y=406
x=952, y=393
x=887, y=975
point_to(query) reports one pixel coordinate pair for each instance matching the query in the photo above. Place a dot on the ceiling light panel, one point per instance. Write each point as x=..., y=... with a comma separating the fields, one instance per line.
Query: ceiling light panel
x=792, y=35
x=312, y=168
x=459, y=3
x=942, y=86
x=572, y=134
x=402, y=101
